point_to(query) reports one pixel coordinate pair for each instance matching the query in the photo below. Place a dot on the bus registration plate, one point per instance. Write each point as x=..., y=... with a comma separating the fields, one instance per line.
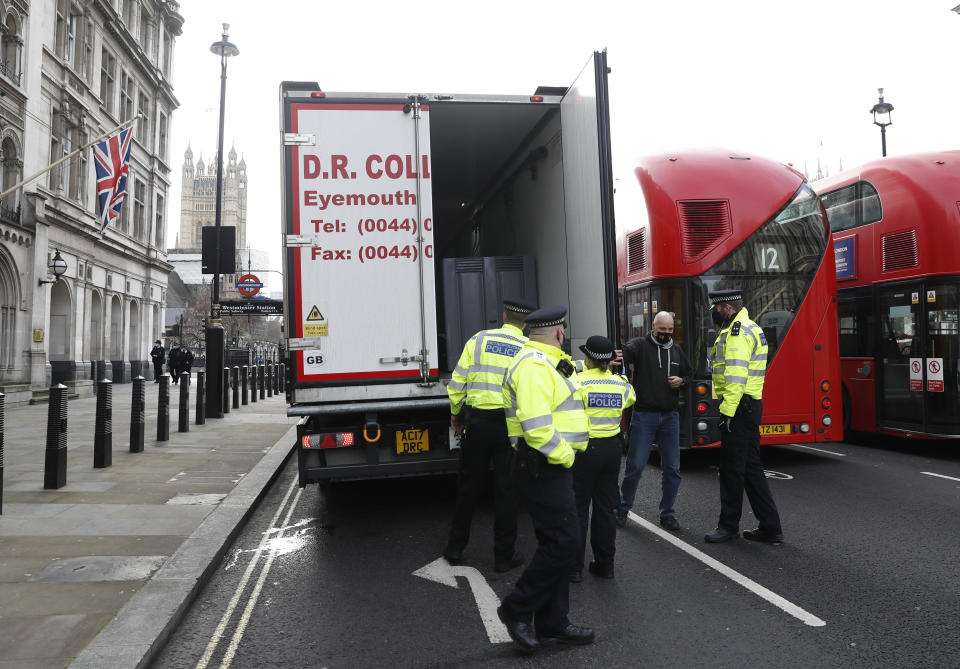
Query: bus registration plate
x=775, y=428
x=413, y=440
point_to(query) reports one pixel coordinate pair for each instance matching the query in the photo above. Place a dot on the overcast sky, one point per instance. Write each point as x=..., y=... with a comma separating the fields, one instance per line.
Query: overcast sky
x=793, y=81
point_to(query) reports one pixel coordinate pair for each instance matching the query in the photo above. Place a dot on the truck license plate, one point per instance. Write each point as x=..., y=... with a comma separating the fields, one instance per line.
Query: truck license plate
x=412, y=440
x=775, y=428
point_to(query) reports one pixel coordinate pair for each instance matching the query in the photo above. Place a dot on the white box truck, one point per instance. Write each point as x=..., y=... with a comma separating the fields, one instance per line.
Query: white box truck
x=378, y=191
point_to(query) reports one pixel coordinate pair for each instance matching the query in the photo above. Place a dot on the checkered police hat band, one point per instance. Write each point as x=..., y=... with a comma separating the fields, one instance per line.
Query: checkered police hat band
x=598, y=356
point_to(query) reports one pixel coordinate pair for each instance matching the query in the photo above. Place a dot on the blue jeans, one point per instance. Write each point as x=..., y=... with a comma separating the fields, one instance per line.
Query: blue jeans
x=645, y=427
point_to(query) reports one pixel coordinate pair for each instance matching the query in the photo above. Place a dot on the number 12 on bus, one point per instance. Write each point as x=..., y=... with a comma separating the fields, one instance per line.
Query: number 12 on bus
x=700, y=221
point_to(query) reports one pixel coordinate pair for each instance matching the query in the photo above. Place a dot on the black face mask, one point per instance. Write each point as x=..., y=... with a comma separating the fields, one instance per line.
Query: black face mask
x=662, y=337
x=717, y=317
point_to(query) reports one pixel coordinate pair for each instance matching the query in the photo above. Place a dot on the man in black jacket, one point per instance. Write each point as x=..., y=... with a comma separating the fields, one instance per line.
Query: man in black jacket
x=159, y=356
x=660, y=369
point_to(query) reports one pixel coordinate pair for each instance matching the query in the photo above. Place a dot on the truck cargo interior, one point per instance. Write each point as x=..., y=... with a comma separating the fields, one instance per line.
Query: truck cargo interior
x=498, y=191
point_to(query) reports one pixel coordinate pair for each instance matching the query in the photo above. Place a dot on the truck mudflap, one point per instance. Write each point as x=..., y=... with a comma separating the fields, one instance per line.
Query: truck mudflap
x=375, y=444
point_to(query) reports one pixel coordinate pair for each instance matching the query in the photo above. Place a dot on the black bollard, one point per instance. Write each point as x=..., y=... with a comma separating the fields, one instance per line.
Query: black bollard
x=201, y=413
x=138, y=414
x=263, y=390
x=235, y=385
x=244, y=392
x=253, y=383
x=163, y=409
x=276, y=379
x=268, y=372
x=184, y=415
x=283, y=378
x=226, y=390
x=2, y=402
x=103, y=426
x=55, y=464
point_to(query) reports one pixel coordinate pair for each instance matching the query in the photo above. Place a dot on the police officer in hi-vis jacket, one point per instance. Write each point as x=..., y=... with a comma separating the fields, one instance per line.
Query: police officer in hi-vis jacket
x=548, y=427
x=476, y=389
x=739, y=359
x=597, y=469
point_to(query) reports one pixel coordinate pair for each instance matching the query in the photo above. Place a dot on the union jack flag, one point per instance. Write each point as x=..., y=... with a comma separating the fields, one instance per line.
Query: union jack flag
x=112, y=158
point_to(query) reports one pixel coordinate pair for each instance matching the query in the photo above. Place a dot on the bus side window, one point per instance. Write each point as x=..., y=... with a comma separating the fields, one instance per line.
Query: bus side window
x=870, y=202
x=841, y=208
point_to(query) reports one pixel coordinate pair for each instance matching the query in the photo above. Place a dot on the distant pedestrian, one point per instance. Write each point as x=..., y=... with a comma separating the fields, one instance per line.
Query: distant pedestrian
x=660, y=370
x=596, y=470
x=187, y=362
x=739, y=359
x=159, y=356
x=173, y=362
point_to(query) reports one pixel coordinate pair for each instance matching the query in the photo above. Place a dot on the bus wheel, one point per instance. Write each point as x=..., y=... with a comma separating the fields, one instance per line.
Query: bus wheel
x=847, y=412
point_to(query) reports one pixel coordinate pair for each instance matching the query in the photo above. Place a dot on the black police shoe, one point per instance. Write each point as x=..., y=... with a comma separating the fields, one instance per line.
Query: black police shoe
x=761, y=535
x=571, y=634
x=621, y=516
x=575, y=577
x=600, y=569
x=521, y=632
x=670, y=522
x=515, y=560
x=720, y=535
x=453, y=556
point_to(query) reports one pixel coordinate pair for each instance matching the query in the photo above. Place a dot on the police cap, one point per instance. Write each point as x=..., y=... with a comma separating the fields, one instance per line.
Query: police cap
x=547, y=316
x=598, y=348
x=721, y=296
x=521, y=307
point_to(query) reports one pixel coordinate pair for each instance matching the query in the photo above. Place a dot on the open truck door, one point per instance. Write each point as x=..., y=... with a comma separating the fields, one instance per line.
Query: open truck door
x=359, y=240
x=588, y=198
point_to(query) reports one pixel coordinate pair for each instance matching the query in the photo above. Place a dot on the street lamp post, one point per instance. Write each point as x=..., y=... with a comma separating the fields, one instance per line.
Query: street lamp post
x=881, y=117
x=214, y=332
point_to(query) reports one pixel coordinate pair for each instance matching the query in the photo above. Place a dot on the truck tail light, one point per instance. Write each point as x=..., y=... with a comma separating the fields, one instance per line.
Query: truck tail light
x=702, y=407
x=825, y=386
x=702, y=389
x=328, y=440
x=826, y=403
x=318, y=94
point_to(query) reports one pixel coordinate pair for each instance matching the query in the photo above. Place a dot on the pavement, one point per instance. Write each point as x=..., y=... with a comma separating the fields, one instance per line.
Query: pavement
x=100, y=571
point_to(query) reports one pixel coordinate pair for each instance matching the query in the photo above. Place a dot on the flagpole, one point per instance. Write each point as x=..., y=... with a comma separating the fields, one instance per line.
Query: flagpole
x=67, y=157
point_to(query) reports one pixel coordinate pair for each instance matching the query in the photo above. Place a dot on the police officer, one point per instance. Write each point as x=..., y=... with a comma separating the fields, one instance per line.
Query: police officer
x=547, y=425
x=476, y=389
x=596, y=470
x=158, y=355
x=739, y=359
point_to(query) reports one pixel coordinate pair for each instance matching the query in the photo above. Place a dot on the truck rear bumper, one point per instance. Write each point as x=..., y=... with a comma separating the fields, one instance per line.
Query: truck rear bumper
x=381, y=470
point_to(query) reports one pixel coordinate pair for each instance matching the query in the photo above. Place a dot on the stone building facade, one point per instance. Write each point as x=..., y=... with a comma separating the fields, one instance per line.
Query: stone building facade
x=70, y=71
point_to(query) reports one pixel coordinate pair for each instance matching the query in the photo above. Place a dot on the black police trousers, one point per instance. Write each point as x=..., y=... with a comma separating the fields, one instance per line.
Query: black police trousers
x=541, y=596
x=741, y=470
x=486, y=439
x=595, y=476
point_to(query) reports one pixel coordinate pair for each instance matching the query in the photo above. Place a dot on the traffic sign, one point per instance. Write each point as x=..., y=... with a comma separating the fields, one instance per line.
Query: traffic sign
x=249, y=285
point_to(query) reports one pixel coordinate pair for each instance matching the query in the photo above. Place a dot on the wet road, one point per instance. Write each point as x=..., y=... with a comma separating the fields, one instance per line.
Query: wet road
x=867, y=576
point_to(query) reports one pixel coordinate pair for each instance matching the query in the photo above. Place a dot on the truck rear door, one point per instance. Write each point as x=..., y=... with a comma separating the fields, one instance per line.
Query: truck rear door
x=588, y=196
x=359, y=257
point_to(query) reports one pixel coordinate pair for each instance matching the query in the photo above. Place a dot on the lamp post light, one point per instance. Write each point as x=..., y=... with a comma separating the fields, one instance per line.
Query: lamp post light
x=214, y=333
x=57, y=267
x=881, y=117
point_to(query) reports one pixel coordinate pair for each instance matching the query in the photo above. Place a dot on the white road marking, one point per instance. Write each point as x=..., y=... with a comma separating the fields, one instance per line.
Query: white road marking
x=941, y=476
x=441, y=571
x=749, y=584
x=818, y=450
x=218, y=633
x=255, y=595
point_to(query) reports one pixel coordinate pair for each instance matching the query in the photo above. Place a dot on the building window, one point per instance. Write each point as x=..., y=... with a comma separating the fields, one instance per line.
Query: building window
x=160, y=229
x=77, y=172
x=57, y=149
x=85, y=57
x=139, y=213
x=60, y=36
x=162, y=148
x=128, y=14
x=144, y=130
x=167, y=53
x=10, y=50
x=108, y=77
x=126, y=96
x=145, y=30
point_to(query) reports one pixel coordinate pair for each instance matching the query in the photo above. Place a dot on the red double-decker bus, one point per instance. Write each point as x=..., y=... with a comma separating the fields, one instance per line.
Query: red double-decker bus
x=694, y=222
x=896, y=223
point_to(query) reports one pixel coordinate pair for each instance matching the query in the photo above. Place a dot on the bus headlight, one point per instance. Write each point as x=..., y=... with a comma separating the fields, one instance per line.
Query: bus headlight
x=702, y=426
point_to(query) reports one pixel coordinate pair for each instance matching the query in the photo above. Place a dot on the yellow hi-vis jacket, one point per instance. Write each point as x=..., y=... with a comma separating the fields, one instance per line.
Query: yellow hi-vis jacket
x=478, y=376
x=545, y=407
x=607, y=396
x=739, y=359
